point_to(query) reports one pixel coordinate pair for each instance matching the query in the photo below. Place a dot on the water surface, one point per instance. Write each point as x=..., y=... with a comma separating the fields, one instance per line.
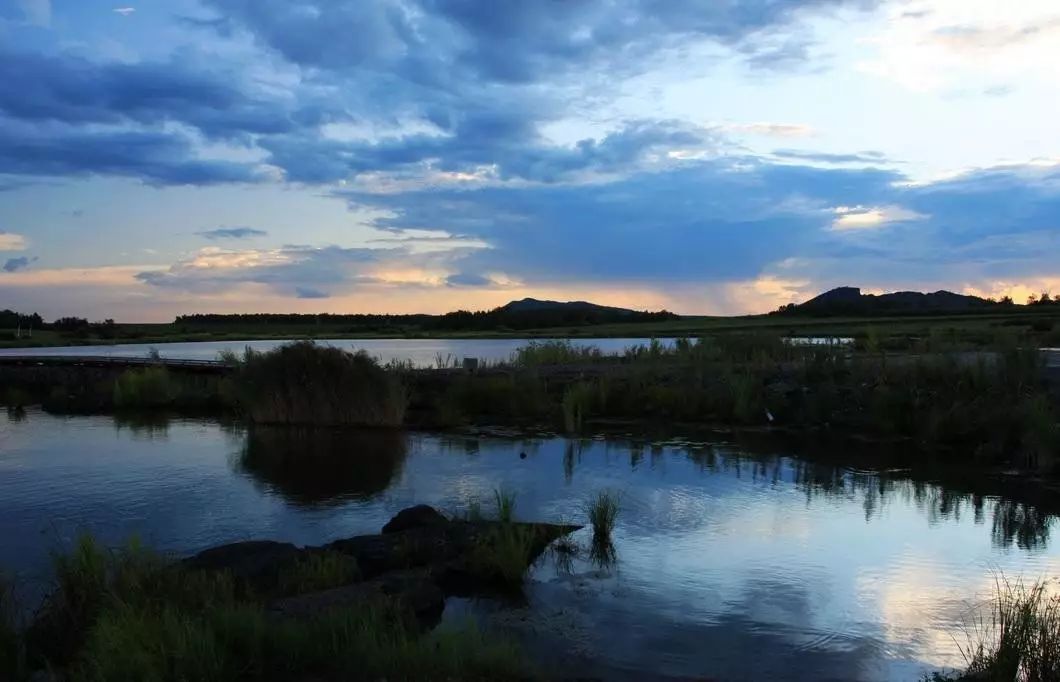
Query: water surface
x=731, y=563
x=421, y=352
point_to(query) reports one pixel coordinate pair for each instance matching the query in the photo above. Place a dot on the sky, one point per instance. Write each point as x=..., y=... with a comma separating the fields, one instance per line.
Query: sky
x=703, y=156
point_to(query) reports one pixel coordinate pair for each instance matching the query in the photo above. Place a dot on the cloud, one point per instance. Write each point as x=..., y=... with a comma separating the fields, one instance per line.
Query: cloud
x=9, y=241
x=287, y=271
x=163, y=158
x=824, y=157
x=306, y=292
x=37, y=12
x=124, y=11
x=467, y=279
x=432, y=42
x=16, y=264
x=77, y=91
x=232, y=233
x=863, y=218
x=769, y=129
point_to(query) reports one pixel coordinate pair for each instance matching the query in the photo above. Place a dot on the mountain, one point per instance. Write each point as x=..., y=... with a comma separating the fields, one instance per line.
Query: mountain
x=531, y=313
x=850, y=301
x=535, y=305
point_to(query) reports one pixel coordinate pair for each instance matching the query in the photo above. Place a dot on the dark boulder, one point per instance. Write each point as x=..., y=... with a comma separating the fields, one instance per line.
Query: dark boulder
x=412, y=592
x=420, y=516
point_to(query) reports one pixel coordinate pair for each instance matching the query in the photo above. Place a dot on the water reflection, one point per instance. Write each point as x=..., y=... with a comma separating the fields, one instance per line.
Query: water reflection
x=323, y=466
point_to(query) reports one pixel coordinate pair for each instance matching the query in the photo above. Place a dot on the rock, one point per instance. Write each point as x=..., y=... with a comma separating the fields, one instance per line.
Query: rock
x=420, y=516
x=257, y=562
x=413, y=591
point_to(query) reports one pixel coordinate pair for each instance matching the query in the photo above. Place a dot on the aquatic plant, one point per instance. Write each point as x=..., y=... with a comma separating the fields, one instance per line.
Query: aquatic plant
x=602, y=511
x=303, y=383
x=319, y=571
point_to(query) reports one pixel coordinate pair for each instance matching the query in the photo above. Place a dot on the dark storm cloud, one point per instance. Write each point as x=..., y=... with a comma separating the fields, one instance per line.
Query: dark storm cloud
x=74, y=90
x=16, y=264
x=518, y=41
x=232, y=233
x=160, y=157
x=734, y=219
x=506, y=142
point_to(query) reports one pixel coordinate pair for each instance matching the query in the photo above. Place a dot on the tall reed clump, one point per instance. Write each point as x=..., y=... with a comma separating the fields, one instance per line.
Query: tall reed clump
x=602, y=510
x=1019, y=636
x=303, y=383
x=503, y=556
x=146, y=387
x=554, y=352
x=577, y=399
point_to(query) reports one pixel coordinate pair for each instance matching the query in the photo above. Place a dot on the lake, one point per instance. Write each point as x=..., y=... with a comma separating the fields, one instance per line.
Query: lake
x=421, y=352
x=733, y=561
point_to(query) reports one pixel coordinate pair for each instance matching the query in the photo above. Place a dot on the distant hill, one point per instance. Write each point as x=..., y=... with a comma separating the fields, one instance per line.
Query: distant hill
x=526, y=305
x=850, y=301
x=531, y=313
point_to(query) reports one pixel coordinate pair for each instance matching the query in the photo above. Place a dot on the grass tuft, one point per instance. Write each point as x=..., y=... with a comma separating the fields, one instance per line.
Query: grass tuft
x=504, y=501
x=602, y=510
x=1019, y=636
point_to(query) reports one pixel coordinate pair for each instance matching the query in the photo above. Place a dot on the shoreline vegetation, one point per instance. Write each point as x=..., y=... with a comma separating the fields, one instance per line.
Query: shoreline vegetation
x=367, y=607
x=992, y=407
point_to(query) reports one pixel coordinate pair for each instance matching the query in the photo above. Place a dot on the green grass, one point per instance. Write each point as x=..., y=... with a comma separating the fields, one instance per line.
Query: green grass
x=320, y=571
x=1018, y=638
x=602, y=511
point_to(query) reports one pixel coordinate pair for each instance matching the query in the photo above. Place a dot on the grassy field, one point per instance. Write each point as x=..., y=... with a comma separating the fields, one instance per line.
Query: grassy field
x=973, y=330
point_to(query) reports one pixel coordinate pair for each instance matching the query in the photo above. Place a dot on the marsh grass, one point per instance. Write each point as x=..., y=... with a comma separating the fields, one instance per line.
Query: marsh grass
x=554, y=352
x=576, y=404
x=319, y=571
x=1018, y=636
x=602, y=511
x=303, y=383
x=144, y=388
